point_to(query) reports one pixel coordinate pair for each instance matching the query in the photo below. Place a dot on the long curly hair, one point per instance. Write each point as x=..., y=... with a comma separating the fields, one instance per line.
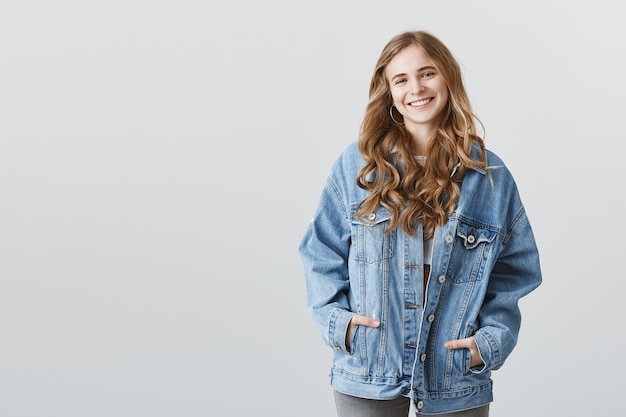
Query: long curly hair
x=393, y=177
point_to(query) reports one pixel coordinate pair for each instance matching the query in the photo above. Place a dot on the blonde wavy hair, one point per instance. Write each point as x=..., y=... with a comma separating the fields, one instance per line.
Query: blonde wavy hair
x=393, y=177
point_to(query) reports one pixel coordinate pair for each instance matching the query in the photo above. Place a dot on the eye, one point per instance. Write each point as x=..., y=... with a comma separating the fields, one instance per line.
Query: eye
x=428, y=74
x=399, y=81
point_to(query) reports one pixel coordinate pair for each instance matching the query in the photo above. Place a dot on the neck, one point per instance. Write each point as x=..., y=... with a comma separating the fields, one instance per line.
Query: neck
x=422, y=136
x=420, y=145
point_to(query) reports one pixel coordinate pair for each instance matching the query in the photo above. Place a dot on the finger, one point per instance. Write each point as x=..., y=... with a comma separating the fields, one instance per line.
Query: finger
x=460, y=343
x=364, y=321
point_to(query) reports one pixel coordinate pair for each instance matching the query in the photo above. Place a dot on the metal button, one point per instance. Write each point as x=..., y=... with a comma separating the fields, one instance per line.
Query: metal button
x=423, y=357
x=372, y=216
x=442, y=278
x=471, y=239
x=449, y=239
x=420, y=404
x=431, y=318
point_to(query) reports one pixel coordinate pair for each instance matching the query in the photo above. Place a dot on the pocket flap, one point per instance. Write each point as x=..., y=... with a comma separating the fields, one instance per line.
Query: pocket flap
x=472, y=236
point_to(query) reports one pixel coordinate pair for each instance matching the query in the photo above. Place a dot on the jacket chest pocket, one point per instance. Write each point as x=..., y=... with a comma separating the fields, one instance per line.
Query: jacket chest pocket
x=370, y=243
x=472, y=248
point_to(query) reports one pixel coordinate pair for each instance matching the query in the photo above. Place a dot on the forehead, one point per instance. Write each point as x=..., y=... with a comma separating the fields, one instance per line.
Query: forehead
x=408, y=60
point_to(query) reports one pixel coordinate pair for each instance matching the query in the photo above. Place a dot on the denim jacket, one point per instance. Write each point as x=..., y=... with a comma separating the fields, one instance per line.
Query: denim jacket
x=484, y=260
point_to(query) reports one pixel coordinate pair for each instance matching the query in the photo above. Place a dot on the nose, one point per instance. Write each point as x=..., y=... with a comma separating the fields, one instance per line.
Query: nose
x=417, y=86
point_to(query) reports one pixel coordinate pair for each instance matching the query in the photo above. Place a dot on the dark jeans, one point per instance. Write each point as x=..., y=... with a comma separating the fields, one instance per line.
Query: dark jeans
x=349, y=406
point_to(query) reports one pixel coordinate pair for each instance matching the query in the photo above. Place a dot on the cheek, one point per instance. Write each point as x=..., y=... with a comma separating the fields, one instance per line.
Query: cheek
x=396, y=98
x=443, y=91
x=445, y=94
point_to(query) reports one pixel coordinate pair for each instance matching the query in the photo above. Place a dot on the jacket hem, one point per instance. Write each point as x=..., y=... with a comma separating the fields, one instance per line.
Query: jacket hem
x=429, y=402
x=370, y=387
x=439, y=402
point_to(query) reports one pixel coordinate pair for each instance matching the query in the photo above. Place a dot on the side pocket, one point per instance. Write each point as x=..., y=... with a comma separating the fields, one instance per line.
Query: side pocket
x=354, y=339
x=467, y=357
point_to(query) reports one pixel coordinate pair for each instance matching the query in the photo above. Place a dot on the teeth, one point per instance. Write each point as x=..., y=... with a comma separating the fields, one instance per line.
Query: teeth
x=420, y=103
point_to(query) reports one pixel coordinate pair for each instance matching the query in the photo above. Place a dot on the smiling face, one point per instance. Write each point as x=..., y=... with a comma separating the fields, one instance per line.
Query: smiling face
x=418, y=90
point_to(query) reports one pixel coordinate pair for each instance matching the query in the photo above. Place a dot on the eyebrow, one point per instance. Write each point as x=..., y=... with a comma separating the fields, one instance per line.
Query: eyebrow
x=427, y=67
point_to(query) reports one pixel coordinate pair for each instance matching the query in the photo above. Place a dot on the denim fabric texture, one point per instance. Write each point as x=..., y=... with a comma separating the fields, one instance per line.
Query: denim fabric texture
x=484, y=260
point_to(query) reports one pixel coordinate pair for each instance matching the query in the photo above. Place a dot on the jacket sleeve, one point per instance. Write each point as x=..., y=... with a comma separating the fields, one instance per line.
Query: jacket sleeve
x=324, y=252
x=516, y=273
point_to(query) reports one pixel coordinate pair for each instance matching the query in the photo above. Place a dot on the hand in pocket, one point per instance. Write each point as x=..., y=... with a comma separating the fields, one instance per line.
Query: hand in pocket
x=358, y=320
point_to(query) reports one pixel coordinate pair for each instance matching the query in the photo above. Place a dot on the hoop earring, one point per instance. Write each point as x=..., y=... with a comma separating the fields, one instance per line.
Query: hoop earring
x=392, y=118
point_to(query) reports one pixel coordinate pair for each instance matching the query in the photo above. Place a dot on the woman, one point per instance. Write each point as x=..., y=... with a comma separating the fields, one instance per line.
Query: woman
x=420, y=247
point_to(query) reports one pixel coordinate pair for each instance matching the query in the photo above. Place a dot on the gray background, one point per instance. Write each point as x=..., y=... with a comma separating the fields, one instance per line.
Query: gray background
x=159, y=162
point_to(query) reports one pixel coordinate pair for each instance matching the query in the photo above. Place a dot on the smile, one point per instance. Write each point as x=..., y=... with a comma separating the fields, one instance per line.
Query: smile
x=420, y=102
